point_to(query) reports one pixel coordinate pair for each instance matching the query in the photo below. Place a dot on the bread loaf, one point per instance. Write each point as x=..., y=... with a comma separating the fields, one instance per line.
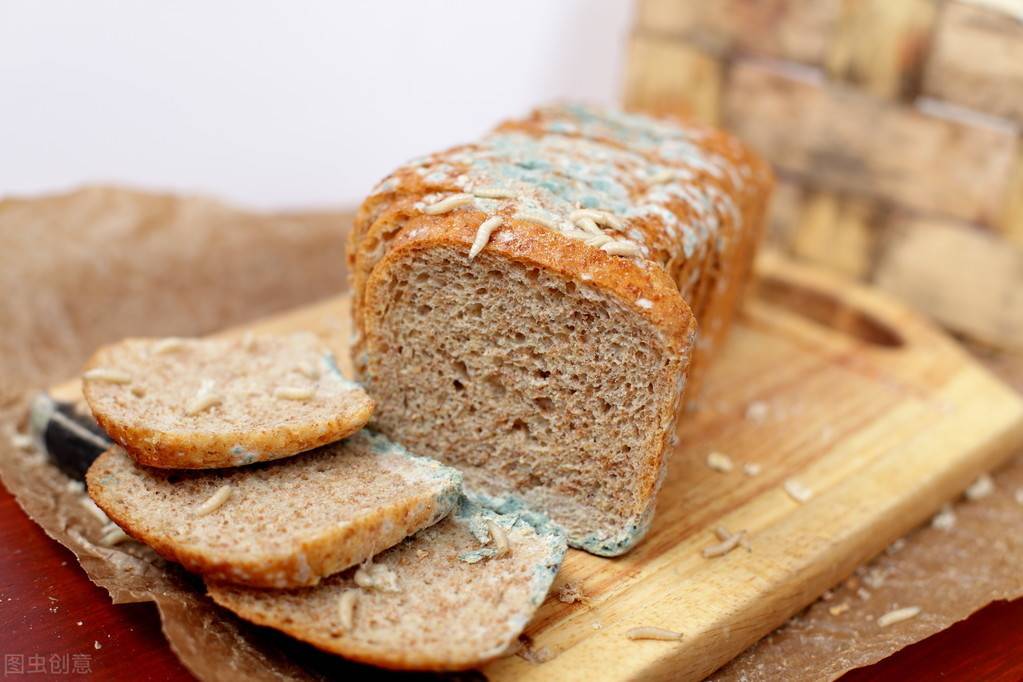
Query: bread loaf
x=527, y=307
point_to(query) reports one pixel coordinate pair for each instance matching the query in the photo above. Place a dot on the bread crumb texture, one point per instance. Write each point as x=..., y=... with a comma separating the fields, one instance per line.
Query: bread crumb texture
x=278, y=524
x=443, y=614
x=205, y=403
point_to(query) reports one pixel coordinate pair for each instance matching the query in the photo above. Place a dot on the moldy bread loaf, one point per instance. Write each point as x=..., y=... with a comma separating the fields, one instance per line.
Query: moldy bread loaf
x=527, y=307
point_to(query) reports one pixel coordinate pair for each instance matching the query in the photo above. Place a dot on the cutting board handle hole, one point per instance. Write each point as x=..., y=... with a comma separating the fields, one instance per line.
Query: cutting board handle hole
x=826, y=309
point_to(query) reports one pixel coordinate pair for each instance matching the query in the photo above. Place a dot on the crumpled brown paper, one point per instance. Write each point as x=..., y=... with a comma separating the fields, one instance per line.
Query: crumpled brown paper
x=70, y=273
x=92, y=266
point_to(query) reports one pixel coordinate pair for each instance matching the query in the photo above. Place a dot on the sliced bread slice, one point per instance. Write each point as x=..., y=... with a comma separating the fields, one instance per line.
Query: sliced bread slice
x=206, y=403
x=452, y=597
x=279, y=524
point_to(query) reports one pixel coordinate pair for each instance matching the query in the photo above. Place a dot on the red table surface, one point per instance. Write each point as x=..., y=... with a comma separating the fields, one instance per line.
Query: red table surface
x=49, y=607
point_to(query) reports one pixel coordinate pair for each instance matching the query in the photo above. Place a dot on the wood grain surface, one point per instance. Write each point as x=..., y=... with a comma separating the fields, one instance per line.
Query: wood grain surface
x=869, y=407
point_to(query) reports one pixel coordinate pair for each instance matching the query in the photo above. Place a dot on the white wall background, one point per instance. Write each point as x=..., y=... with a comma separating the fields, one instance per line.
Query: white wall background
x=285, y=103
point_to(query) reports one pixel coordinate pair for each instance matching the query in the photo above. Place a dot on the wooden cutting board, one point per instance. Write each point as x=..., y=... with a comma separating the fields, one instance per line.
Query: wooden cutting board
x=881, y=416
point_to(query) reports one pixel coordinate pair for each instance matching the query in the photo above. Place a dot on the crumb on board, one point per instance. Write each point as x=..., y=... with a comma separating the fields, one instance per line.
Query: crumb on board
x=729, y=541
x=572, y=592
x=898, y=615
x=530, y=654
x=756, y=411
x=944, y=519
x=596, y=625
x=863, y=594
x=839, y=609
x=797, y=491
x=1019, y=496
x=719, y=461
x=980, y=488
x=649, y=632
x=752, y=469
x=422, y=553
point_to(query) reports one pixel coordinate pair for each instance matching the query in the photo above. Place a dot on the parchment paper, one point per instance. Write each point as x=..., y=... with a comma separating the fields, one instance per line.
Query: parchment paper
x=100, y=264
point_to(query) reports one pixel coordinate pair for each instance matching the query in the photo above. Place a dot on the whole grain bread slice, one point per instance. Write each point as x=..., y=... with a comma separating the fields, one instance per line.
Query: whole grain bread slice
x=451, y=597
x=278, y=524
x=207, y=403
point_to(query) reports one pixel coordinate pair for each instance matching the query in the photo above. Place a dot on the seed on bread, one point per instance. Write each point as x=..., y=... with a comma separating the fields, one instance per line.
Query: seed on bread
x=215, y=501
x=308, y=370
x=346, y=609
x=372, y=576
x=493, y=193
x=448, y=204
x=294, y=392
x=622, y=248
x=535, y=217
x=587, y=224
x=168, y=345
x=107, y=374
x=598, y=217
x=500, y=539
x=204, y=399
x=483, y=233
